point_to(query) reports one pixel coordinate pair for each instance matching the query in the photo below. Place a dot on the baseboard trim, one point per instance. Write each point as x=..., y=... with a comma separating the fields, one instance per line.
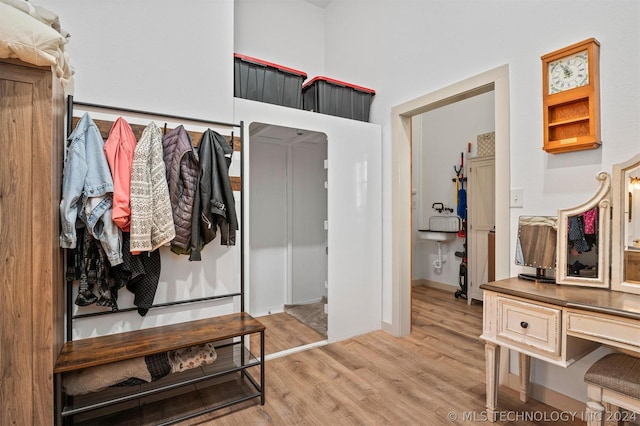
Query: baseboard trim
x=434, y=284
x=548, y=396
x=295, y=350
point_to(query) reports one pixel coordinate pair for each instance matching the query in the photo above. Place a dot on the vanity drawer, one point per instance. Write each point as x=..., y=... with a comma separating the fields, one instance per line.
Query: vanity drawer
x=615, y=331
x=529, y=326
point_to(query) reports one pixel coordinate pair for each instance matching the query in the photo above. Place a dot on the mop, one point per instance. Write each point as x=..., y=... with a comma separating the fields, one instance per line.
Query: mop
x=461, y=193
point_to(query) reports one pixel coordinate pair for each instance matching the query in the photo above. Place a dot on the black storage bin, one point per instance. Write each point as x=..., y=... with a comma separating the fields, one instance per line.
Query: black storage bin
x=334, y=97
x=264, y=81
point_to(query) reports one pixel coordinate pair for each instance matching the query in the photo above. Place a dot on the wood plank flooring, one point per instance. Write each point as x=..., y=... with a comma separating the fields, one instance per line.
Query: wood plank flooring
x=284, y=332
x=427, y=378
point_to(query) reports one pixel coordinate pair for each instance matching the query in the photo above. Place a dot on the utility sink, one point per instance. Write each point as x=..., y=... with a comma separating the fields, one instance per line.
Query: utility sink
x=441, y=229
x=440, y=236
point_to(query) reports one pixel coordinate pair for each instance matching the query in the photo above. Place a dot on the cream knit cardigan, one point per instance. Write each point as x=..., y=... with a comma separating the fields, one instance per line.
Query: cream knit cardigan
x=151, y=216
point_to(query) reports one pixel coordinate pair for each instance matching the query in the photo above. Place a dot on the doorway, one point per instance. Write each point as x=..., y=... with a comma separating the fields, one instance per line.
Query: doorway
x=397, y=312
x=444, y=145
x=288, y=238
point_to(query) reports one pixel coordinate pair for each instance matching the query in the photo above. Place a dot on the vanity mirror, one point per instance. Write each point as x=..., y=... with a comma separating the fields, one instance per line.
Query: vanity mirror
x=625, y=256
x=536, y=246
x=583, y=240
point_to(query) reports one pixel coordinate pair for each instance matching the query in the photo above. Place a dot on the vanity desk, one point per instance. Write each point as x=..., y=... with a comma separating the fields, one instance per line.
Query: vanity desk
x=560, y=323
x=554, y=323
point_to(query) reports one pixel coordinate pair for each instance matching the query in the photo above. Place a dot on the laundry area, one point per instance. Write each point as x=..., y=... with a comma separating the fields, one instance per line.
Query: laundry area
x=453, y=194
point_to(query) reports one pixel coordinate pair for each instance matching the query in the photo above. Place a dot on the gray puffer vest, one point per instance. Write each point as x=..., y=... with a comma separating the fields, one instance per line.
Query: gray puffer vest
x=183, y=171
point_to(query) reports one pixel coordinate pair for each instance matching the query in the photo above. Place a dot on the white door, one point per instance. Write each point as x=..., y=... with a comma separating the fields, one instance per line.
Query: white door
x=480, y=221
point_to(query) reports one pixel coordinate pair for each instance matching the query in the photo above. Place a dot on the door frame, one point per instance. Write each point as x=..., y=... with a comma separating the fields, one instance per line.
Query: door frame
x=285, y=137
x=396, y=314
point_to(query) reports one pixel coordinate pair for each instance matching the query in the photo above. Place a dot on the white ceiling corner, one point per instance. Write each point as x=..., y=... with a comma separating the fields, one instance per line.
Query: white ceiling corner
x=320, y=3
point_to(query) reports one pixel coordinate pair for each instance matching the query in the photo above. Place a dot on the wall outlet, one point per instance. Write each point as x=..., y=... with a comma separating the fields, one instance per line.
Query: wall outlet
x=517, y=197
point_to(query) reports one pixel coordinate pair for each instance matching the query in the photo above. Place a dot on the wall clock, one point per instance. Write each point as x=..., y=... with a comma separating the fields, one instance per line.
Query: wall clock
x=571, y=97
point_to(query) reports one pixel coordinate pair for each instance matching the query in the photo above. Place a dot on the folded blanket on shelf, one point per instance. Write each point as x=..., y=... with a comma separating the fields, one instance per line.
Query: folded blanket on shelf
x=138, y=370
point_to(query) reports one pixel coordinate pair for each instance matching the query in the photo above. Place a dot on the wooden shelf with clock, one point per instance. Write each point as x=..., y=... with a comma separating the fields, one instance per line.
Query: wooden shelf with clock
x=571, y=97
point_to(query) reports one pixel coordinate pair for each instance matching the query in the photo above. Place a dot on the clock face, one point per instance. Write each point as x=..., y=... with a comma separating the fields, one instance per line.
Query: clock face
x=568, y=72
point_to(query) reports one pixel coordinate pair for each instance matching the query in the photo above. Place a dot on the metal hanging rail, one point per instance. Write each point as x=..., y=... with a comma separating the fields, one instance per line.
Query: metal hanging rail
x=71, y=102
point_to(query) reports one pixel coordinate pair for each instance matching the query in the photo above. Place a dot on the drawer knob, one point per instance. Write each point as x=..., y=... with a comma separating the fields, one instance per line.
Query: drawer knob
x=524, y=324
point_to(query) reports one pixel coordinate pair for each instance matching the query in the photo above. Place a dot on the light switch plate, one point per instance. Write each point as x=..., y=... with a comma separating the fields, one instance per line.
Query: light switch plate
x=517, y=197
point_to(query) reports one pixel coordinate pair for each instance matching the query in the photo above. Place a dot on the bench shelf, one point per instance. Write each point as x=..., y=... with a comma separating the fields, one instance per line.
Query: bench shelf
x=227, y=331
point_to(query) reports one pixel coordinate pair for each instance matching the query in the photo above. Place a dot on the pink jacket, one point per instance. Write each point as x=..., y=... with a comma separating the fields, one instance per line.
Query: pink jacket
x=119, y=149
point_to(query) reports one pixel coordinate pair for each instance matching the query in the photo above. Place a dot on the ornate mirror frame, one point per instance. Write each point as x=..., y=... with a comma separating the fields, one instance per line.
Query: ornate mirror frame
x=602, y=202
x=623, y=251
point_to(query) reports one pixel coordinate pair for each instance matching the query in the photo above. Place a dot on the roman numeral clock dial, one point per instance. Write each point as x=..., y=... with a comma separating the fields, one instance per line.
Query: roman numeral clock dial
x=569, y=72
x=571, y=97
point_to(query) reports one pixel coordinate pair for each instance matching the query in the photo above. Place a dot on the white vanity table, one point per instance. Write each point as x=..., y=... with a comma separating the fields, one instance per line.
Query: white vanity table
x=553, y=323
x=560, y=323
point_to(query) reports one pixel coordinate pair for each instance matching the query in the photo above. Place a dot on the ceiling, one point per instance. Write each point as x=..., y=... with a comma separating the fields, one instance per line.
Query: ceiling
x=320, y=3
x=260, y=132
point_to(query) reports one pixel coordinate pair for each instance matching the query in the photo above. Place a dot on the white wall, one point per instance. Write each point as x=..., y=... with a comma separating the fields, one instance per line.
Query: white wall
x=161, y=55
x=285, y=32
x=444, y=133
x=149, y=55
x=268, y=239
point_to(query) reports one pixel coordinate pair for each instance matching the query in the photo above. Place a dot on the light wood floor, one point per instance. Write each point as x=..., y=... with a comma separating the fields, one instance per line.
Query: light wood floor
x=426, y=378
x=284, y=332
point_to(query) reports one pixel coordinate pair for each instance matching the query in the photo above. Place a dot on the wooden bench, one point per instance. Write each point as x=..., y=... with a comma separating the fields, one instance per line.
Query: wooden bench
x=227, y=330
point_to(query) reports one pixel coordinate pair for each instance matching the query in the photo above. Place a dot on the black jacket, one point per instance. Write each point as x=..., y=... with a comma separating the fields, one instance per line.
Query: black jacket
x=218, y=207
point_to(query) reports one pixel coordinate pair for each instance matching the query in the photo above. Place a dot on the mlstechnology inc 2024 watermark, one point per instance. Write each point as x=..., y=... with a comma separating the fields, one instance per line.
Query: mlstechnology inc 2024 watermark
x=540, y=416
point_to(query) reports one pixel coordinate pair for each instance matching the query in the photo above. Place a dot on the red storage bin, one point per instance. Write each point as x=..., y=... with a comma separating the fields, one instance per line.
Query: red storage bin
x=263, y=81
x=334, y=97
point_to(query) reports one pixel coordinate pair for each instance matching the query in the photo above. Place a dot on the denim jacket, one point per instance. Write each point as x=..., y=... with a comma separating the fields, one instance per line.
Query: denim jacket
x=87, y=191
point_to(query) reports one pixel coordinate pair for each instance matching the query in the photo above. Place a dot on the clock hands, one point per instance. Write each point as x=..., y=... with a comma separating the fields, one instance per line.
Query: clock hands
x=567, y=71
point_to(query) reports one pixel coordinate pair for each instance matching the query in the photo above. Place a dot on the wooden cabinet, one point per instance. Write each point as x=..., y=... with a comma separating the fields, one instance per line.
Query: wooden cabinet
x=571, y=126
x=571, y=97
x=31, y=271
